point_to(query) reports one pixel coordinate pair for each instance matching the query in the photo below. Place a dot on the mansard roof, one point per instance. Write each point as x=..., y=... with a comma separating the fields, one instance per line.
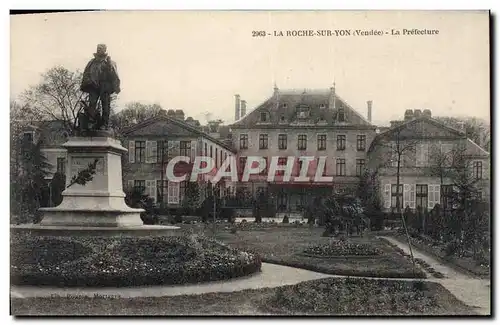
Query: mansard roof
x=284, y=107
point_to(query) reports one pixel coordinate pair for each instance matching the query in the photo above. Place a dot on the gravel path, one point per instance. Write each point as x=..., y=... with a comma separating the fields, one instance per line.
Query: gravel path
x=473, y=291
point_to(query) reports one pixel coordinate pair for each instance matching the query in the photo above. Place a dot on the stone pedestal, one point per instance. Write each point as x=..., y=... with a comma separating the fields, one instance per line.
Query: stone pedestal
x=100, y=202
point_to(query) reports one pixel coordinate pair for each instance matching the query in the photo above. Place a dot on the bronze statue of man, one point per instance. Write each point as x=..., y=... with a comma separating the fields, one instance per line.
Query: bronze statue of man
x=100, y=80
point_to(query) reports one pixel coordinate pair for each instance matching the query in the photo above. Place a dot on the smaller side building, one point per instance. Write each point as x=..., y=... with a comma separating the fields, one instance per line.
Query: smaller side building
x=425, y=152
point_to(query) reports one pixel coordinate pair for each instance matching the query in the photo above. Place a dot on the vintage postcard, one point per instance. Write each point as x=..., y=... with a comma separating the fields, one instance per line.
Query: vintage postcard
x=280, y=163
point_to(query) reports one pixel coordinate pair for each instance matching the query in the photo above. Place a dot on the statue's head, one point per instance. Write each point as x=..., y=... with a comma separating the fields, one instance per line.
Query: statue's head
x=101, y=49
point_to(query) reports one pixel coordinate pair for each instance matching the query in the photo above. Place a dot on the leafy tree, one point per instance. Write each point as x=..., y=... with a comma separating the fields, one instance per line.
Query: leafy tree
x=57, y=186
x=29, y=188
x=135, y=197
x=342, y=212
x=191, y=199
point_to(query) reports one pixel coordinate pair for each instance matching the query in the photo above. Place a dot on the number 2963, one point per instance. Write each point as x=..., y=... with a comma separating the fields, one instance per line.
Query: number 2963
x=258, y=33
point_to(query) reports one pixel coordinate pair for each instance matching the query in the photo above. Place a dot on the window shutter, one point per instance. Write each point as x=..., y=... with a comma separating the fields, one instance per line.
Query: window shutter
x=425, y=154
x=434, y=195
x=406, y=195
x=430, y=200
x=437, y=194
x=193, y=150
x=154, y=152
x=173, y=192
x=387, y=196
x=131, y=151
x=412, y=196
x=130, y=184
x=148, y=152
x=150, y=189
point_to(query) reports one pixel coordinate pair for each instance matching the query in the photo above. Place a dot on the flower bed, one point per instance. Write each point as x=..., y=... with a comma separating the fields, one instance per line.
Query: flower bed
x=342, y=248
x=437, y=249
x=358, y=296
x=126, y=261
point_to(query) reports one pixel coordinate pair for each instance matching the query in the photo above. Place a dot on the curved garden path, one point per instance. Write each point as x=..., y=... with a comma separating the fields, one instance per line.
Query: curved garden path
x=472, y=291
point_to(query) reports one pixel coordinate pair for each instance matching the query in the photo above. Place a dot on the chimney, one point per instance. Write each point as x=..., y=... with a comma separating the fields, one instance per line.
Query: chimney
x=369, y=114
x=179, y=114
x=171, y=113
x=243, y=109
x=408, y=115
x=331, y=99
x=427, y=113
x=236, y=107
x=417, y=113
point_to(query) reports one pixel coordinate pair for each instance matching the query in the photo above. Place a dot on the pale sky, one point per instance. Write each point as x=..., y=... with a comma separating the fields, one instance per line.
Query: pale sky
x=197, y=61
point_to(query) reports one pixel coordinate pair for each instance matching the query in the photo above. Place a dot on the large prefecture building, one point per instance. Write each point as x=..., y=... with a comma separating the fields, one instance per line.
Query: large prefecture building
x=313, y=123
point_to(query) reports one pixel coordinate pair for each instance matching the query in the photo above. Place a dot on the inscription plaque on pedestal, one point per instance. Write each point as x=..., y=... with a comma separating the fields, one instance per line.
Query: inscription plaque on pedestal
x=81, y=163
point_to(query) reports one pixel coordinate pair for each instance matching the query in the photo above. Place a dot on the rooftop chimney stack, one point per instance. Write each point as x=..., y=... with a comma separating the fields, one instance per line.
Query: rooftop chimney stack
x=236, y=107
x=331, y=99
x=369, y=114
x=417, y=113
x=427, y=113
x=243, y=108
x=408, y=115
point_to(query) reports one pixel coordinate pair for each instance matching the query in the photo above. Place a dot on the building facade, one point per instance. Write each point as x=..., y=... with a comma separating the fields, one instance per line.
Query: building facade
x=314, y=123
x=426, y=151
x=153, y=143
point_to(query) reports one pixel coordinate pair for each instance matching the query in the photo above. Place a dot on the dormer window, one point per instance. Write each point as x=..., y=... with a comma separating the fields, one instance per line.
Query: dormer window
x=322, y=106
x=285, y=105
x=282, y=118
x=28, y=137
x=264, y=116
x=341, y=115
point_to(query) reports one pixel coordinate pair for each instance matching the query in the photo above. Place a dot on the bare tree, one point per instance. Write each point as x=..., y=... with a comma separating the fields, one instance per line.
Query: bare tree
x=397, y=147
x=134, y=113
x=57, y=96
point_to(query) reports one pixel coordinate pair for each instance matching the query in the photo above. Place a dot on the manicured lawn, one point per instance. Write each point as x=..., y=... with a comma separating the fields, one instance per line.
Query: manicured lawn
x=332, y=296
x=286, y=245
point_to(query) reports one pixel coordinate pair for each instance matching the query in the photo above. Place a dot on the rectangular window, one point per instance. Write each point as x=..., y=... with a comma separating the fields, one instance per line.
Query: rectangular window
x=321, y=141
x=140, y=185
x=173, y=193
x=211, y=152
x=140, y=151
x=422, y=196
x=302, y=142
x=161, y=191
x=360, y=167
x=341, y=142
x=182, y=190
x=477, y=169
x=395, y=195
x=27, y=137
x=300, y=164
x=242, y=163
x=263, y=141
x=341, y=115
x=361, y=142
x=206, y=149
x=281, y=162
x=185, y=148
x=447, y=197
x=341, y=167
x=264, y=171
x=161, y=151
x=422, y=154
x=282, y=142
x=61, y=165
x=263, y=116
x=324, y=166
x=243, y=141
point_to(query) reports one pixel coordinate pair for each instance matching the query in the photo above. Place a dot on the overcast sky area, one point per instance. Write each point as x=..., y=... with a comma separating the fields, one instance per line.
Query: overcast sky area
x=197, y=61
